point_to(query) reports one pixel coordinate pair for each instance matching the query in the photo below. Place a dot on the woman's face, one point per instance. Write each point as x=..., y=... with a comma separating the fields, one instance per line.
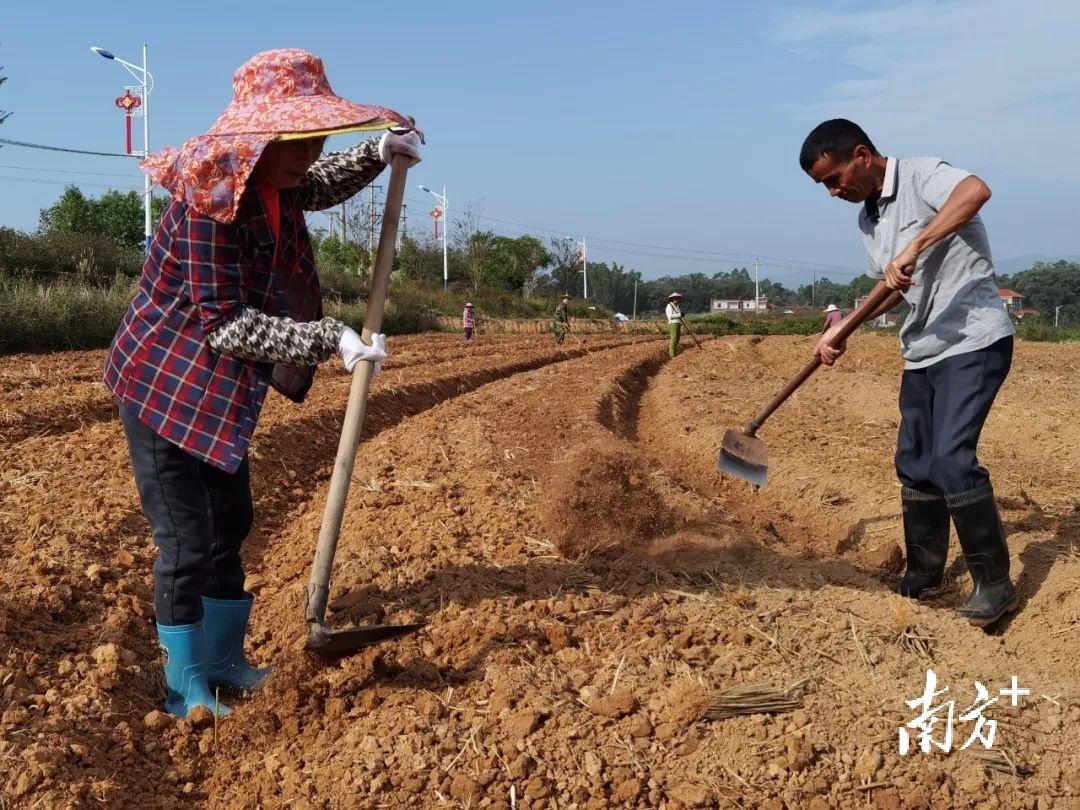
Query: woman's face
x=285, y=163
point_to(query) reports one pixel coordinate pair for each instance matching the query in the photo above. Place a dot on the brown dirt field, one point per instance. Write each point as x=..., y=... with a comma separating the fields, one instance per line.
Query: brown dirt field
x=587, y=577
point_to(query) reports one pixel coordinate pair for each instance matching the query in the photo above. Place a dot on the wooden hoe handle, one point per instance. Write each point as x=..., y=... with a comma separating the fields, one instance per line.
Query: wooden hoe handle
x=878, y=296
x=319, y=584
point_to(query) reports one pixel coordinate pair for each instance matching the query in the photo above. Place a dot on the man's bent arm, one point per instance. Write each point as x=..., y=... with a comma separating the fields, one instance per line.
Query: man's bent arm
x=966, y=199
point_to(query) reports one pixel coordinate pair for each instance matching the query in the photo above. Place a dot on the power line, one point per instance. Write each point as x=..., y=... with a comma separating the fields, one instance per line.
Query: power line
x=68, y=171
x=42, y=181
x=64, y=149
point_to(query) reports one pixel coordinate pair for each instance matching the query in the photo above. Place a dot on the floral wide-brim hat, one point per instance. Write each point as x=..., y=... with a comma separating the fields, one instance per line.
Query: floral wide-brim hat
x=276, y=94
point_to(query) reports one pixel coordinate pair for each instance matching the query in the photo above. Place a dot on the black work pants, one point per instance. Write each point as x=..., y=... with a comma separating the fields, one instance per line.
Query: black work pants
x=942, y=411
x=199, y=516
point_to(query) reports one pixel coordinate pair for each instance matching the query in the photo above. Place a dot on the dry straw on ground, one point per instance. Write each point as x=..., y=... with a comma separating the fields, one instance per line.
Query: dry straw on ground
x=753, y=699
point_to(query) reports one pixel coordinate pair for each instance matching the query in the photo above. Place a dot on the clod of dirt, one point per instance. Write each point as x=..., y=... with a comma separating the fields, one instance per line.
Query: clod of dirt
x=628, y=790
x=558, y=636
x=107, y=657
x=521, y=724
x=690, y=795
x=799, y=753
x=888, y=558
x=200, y=717
x=640, y=727
x=614, y=706
x=868, y=763
x=155, y=720
x=464, y=789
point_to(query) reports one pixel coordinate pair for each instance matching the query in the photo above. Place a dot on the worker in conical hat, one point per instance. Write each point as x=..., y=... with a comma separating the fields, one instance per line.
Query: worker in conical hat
x=468, y=321
x=674, y=319
x=229, y=306
x=833, y=316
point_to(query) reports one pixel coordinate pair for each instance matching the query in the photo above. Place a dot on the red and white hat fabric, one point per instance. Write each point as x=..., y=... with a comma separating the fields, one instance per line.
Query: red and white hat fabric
x=278, y=94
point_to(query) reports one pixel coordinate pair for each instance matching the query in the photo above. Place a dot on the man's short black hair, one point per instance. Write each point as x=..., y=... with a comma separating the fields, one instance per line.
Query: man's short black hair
x=837, y=138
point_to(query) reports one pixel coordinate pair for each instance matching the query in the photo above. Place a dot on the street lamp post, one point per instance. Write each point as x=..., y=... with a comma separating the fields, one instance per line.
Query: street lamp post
x=446, y=226
x=584, y=261
x=146, y=83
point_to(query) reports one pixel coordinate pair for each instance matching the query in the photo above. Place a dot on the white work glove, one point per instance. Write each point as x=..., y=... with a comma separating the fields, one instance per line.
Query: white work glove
x=352, y=350
x=399, y=143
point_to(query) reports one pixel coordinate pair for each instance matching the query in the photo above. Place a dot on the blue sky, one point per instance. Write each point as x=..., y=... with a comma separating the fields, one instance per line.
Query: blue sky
x=674, y=125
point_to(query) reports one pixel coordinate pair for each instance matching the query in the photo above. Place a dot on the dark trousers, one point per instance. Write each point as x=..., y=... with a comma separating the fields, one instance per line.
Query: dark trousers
x=942, y=411
x=199, y=516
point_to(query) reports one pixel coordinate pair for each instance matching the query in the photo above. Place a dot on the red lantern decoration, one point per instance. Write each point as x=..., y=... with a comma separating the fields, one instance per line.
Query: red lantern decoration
x=128, y=103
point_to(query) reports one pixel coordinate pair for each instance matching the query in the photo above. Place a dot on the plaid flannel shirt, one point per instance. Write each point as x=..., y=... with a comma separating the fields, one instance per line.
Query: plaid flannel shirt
x=202, y=277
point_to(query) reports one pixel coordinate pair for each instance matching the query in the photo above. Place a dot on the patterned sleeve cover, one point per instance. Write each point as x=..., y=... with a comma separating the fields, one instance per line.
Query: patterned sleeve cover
x=254, y=335
x=338, y=176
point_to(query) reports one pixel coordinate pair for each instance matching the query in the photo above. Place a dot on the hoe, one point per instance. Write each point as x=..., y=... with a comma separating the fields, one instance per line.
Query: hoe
x=321, y=638
x=744, y=455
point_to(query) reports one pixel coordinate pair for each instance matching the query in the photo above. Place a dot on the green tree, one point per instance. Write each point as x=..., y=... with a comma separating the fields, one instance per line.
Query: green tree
x=612, y=286
x=115, y=215
x=419, y=261
x=477, y=252
x=334, y=254
x=515, y=262
x=565, y=274
x=1046, y=286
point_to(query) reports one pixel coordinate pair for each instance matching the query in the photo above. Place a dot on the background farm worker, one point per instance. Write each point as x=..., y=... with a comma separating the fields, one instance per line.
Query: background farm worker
x=923, y=235
x=229, y=305
x=468, y=322
x=833, y=316
x=674, y=322
x=562, y=319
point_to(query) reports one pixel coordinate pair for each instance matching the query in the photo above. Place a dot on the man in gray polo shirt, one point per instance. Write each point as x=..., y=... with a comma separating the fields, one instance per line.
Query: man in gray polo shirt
x=923, y=235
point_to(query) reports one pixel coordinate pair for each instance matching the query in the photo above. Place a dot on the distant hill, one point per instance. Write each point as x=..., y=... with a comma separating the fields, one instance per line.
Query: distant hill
x=1007, y=267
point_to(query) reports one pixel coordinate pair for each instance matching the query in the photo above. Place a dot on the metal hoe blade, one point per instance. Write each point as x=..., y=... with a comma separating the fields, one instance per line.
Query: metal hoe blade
x=745, y=457
x=325, y=640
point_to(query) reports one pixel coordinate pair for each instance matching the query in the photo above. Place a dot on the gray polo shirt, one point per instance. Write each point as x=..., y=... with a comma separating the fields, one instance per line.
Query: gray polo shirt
x=955, y=307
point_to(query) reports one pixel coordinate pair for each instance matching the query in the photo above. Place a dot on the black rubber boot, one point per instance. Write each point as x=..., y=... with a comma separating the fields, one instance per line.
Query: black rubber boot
x=982, y=537
x=926, y=541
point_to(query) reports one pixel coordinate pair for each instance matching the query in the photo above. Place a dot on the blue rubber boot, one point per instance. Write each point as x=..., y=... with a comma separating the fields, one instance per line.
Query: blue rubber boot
x=184, y=649
x=226, y=623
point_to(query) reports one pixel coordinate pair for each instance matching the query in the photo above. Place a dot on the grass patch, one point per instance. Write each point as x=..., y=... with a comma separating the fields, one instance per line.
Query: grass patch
x=1045, y=332
x=756, y=324
x=61, y=314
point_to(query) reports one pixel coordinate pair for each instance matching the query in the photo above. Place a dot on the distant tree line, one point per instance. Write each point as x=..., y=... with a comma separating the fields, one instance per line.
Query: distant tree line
x=524, y=265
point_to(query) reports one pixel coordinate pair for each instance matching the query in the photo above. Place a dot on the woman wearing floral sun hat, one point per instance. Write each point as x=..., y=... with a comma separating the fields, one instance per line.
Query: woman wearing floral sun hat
x=229, y=306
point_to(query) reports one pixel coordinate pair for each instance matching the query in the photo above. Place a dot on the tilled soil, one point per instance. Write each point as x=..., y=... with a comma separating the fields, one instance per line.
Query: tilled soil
x=588, y=580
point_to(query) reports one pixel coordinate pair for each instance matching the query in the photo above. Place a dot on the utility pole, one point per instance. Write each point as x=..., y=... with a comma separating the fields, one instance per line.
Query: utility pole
x=813, y=290
x=1057, y=311
x=757, y=293
x=404, y=222
x=585, y=266
x=344, y=230
x=635, y=299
